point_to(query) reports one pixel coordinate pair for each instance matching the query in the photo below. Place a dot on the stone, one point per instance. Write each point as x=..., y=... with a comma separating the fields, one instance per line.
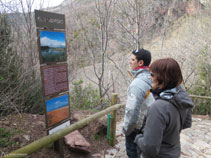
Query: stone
x=98, y=155
x=17, y=139
x=26, y=137
x=41, y=124
x=77, y=142
x=111, y=153
x=76, y=116
x=6, y=123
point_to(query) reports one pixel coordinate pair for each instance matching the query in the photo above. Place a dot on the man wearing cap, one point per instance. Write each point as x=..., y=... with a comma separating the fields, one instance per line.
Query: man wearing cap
x=136, y=105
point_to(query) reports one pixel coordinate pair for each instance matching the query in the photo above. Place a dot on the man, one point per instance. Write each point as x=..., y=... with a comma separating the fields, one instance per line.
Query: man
x=136, y=103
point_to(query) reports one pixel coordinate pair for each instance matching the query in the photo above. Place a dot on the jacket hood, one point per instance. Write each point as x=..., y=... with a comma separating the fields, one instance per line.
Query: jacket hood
x=181, y=100
x=178, y=96
x=145, y=75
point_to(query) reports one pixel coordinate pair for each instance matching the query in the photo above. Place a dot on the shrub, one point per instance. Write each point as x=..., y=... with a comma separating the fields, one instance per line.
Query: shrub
x=202, y=86
x=19, y=91
x=5, y=137
x=83, y=97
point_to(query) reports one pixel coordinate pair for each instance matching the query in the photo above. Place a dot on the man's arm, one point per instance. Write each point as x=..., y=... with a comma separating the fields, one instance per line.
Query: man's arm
x=132, y=109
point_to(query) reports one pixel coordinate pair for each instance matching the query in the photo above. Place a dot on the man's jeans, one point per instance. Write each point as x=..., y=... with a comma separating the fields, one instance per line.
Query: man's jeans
x=131, y=146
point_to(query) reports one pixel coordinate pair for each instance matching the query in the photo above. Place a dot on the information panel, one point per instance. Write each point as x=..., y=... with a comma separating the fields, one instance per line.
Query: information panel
x=61, y=126
x=49, y=20
x=54, y=79
x=51, y=39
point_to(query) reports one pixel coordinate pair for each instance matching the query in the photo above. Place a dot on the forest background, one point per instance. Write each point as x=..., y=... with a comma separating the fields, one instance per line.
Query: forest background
x=100, y=36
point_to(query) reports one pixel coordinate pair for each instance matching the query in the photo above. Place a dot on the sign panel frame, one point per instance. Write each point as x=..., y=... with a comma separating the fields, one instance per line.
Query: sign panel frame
x=51, y=39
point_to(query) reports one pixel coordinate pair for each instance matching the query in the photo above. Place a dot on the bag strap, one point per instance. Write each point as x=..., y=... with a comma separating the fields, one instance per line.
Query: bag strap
x=148, y=92
x=172, y=103
x=144, y=121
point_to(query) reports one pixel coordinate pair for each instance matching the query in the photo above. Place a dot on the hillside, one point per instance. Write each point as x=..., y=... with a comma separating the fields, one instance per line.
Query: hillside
x=188, y=38
x=184, y=41
x=178, y=29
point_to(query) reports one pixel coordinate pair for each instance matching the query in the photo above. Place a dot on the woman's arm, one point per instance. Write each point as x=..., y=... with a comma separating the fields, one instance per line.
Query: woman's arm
x=151, y=140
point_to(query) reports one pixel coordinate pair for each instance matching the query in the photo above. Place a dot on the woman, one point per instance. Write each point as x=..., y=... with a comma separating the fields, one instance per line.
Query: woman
x=168, y=115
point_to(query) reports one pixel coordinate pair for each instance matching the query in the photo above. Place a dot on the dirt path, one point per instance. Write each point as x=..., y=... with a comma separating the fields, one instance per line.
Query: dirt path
x=195, y=141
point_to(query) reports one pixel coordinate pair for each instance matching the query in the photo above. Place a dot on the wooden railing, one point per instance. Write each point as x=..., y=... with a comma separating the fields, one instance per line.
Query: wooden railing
x=201, y=97
x=201, y=107
x=44, y=141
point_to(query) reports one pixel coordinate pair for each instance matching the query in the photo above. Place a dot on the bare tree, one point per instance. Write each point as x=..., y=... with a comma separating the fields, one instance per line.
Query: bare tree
x=20, y=87
x=21, y=16
x=133, y=22
x=97, y=39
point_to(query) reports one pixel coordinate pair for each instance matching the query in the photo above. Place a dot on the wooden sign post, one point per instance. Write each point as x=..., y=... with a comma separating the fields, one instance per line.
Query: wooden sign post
x=54, y=72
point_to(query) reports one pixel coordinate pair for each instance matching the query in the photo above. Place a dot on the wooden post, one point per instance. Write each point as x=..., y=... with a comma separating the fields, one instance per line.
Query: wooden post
x=59, y=147
x=113, y=121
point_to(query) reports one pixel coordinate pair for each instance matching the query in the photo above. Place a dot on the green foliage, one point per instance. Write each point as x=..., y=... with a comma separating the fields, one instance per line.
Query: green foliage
x=94, y=22
x=83, y=97
x=202, y=87
x=202, y=107
x=33, y=102
x=76, y=34
x=5, y=137
x=97, y=137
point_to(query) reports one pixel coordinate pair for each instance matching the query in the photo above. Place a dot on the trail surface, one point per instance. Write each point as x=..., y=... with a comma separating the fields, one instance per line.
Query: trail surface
x=195, y=141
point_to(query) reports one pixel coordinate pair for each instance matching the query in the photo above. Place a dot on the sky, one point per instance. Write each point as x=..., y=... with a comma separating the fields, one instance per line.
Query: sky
x=36, y=4
x=57, y=103
x=47, y=3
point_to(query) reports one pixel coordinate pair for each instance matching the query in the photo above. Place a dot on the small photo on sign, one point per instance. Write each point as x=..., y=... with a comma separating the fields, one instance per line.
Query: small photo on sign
x=52, y=47
x=57, y=109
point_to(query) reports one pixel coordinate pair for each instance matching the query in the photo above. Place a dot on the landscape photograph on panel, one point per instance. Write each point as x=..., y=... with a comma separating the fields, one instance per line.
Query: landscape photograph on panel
x=52, y=46
x=57, y=109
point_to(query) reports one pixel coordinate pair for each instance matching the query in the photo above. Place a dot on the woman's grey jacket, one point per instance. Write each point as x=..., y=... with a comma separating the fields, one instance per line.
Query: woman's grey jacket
x=166, y=117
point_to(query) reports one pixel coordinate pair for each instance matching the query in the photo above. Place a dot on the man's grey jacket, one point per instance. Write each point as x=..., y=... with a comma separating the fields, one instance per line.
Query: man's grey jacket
x=136, y=105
